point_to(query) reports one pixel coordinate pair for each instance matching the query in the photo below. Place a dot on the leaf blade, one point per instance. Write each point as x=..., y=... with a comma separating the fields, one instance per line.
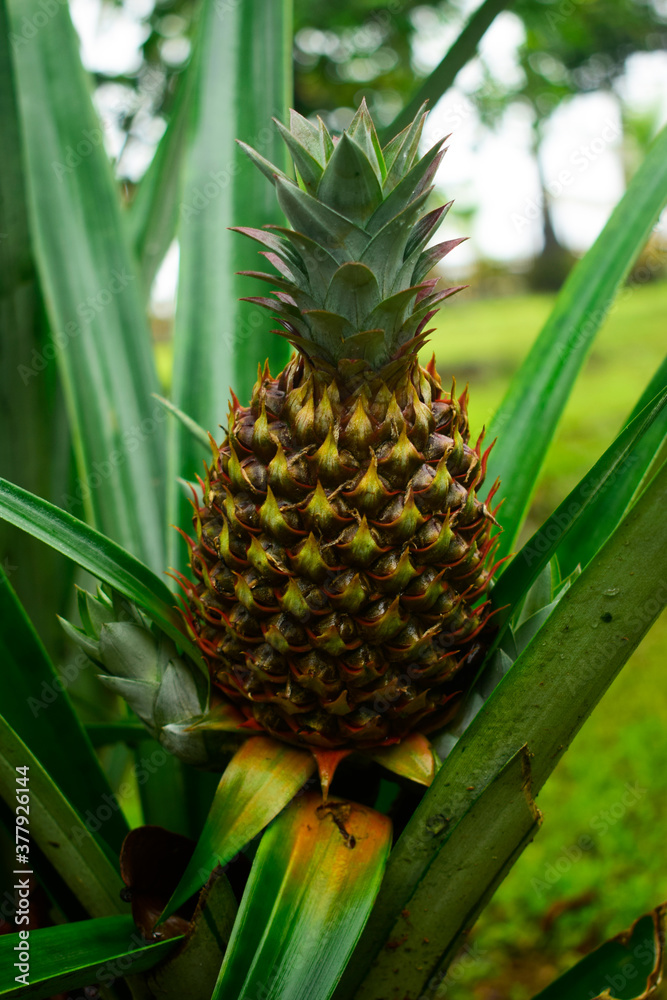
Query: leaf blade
x=99, y=555
x=306, y=902
x=584, y=510
x=65, y=957
x=258, y=782
x=74, y=851
x=539, y=391
x=103, y=348
x=243, y=64
x=39, y=694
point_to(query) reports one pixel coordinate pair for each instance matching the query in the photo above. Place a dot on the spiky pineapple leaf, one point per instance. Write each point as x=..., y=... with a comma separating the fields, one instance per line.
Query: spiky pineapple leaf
x=411, y=758
x=70, y=956
x=581, y=648
x=97, y=554
x=258, y=782
x=92, y=296
x=77, y=853
x=36, y=704
x=349, y=184
x=313, y=882
x=528, y=416
x=628, y=966
x=242, y=62
x=584, y=508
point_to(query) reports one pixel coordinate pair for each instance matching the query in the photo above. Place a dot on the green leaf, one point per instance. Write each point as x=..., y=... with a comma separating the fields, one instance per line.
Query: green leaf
x=193, y=970
x=36, y=705
x=259, y=781
x=444, y=74
x=349, y=183
x=242, y=79
x=309, y=168
x=528, y=416
x=97, y=554
x=629, y=966
x=152, y=216
x=80, y=954
x=35, y=447
x=69, y=843
x=197, y=432
x=315, y=877
x=584, y=540
x=91, y=292
x=585, y=508
x=540, y=704
x=101, y=734
x=501, y=821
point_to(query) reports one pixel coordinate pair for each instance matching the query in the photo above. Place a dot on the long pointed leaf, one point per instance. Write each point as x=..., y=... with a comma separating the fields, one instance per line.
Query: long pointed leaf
x=67, y=839
x=603, y=975
x=95, y=553
x=36, y=705
x=259, y=781
x=443, y=76
x=585, y=509
x=584, y=540
x=243, y=67
x=35, y=449
x=529, y=414
x=479, y=853
x=101, y=337
x=152, y=216
x=311, y=888
x=540, y=704
x=75, y=955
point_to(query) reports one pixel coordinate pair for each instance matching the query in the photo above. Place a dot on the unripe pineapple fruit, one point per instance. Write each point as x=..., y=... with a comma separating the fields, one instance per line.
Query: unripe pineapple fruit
x=342, y=552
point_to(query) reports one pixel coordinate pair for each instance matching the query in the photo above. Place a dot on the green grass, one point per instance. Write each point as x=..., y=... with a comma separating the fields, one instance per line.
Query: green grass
x=542, y=919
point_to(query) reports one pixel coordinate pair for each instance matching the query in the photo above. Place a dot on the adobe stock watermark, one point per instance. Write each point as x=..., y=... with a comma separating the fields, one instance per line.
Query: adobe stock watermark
x=439, y=984
x=580, y=159
x=51, y=690
x=562, y=519
x=102, y=471
x=30, y=26
x=218, y=180
x=599, y=825
x=75, y=155
x=87, y=311
x=607, y=650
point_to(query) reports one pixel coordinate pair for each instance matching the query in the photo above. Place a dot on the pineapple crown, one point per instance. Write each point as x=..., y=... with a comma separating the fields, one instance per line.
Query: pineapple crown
x=352, y=270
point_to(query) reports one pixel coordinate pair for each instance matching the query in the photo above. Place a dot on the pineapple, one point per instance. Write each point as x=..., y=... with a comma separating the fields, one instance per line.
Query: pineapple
x=342, y=553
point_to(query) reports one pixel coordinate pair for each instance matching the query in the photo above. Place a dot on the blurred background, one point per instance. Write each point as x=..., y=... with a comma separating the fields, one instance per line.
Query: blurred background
x=548, y=122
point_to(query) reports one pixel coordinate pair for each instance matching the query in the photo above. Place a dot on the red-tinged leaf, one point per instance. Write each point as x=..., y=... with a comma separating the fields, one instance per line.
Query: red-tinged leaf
x=313, y=883
x=258, y=783
x=411, y=758
x=327, y=762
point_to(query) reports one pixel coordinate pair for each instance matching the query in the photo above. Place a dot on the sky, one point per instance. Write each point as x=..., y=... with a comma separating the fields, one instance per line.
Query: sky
x=495, y=171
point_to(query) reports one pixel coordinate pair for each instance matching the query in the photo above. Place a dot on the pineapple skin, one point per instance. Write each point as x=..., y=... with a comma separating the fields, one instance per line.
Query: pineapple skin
x=341, y=553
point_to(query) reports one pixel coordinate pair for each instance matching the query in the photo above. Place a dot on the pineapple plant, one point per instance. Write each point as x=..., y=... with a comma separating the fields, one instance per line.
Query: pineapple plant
x=345, y=594
x=342, y=551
